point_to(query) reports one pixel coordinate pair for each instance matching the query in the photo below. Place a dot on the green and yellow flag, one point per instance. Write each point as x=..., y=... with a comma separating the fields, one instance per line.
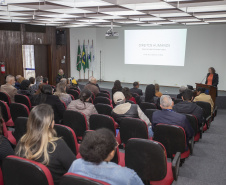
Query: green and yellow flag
x=79, y=65
x=84, y=57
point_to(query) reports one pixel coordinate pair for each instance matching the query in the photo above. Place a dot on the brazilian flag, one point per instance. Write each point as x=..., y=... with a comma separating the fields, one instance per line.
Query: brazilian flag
x=84, y=58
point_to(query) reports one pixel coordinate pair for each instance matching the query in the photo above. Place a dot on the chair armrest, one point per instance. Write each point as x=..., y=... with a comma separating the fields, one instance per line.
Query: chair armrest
x=208, y=118
x=176, y=165
x=191, y=145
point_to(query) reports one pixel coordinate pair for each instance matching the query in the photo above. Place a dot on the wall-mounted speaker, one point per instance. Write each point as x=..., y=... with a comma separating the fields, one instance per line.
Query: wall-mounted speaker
x=60, y=37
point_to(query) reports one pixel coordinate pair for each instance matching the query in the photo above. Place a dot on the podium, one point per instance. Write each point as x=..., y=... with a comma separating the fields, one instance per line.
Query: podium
x=212, y=90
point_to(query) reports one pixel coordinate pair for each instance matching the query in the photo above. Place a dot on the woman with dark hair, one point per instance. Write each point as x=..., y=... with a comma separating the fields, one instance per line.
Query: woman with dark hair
x=83, y=105
x=117, y=87
x=25, y=88
x=150, y=93
x=46, y=96
x=41, y=144
x=32, y=80
x=97, y=150
x=5, y=145
x=212, y=77
x=128, y=95
x=157, y=92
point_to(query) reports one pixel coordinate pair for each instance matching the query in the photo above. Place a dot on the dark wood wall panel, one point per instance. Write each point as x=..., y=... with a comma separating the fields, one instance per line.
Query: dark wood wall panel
x=11, y=51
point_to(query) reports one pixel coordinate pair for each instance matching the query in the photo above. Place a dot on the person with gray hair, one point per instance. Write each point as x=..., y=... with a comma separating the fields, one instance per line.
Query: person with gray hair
x=168, y=116
x=124, y=109
x=17, y=84
x=92, y=85
x=9, y=87
x=181, y=90
x=39, y=80
x=60, y=75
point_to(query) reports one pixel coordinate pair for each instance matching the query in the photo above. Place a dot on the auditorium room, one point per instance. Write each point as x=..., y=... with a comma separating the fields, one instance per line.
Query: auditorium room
x=112, y=92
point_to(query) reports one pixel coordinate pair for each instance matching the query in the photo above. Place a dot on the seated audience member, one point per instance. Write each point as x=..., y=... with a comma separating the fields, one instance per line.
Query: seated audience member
x=5, y=145
x=25, y=89
x=39, y=80
x=123, y=110
x=46, y=96
x=202, y=96
x=97, y=150
x=83, y=105
x=45, y=80
x=61, y=93
x=168, y=116
x=60, y=75
x=117, y=87
x=128, y=95
x=8, y=87
x=92, y=85
x=136, y=89
x=32, y=80
x=39, y=88
x=150, y=93
x=181, y=90
x=188, y=107
x=41, y=144
x=157, y=92
x=17, y=84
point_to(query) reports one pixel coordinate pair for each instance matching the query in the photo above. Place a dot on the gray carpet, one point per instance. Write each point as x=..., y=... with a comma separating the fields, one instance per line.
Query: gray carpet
x=207, y=165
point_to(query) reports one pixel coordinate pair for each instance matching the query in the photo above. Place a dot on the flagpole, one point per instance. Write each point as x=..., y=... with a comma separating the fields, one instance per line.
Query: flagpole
x=88, y=57
x=100, y=66
x=85, y=69
x=91, y=56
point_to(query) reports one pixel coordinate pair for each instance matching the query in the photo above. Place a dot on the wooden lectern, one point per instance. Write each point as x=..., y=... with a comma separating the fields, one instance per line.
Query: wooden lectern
x=212, y=90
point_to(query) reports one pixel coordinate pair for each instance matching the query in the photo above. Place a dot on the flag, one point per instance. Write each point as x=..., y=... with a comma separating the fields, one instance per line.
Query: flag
x=84, y=58
x=79, y=58
x=88, y=56
x=92, y=58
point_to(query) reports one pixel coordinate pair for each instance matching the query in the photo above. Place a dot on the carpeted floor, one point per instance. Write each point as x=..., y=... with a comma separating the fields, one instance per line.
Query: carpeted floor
x=207, y=165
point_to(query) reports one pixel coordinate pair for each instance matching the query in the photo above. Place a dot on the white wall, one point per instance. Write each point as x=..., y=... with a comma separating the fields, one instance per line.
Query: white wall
x=206, y=47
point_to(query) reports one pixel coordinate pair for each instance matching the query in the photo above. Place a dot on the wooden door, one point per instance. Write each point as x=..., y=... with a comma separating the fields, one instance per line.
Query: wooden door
x=41, y=60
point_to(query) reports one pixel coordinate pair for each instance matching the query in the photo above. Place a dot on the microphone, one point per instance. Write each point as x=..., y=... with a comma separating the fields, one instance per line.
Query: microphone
x=203, y=79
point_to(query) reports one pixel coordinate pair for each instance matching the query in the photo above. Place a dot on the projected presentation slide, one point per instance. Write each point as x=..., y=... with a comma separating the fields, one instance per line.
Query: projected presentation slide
x=155, y=47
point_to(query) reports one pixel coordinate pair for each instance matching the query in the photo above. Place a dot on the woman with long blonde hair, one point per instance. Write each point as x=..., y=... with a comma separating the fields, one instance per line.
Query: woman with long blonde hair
x=61, y=93
x=41, y=144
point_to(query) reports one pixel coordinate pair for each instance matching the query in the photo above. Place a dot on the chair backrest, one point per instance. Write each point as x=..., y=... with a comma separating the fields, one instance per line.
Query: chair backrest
x=129, y=101
x=72, y=97
x=206, y=108
x=177, y=101
x=17, y=170
x=103, y=95
x=65, y=106
x=5, y=110
x=97, y=121
x=19, y=98
x=20, y=127
x=132, y=128
x=103, y=109
x=149, y=113
x=75, y=88
x=193, y=121
x=74, y=93
x=18, y=110
x=5, y=97
x=147, y=158
x=137, y=97
x=106, y=92
x=103, y=100
x=172, y=137
x=73, y=179
x=68, y=136
x=147, y=105
x=77, y=121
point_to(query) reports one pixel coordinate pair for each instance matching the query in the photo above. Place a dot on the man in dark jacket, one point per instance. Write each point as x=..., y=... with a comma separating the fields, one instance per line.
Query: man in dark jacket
x=60, y=75
x=168, y=116
x=136, y=89
x=188, y=107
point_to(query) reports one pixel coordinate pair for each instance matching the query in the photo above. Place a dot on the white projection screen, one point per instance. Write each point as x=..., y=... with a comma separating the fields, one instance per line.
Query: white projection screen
x=155, y=47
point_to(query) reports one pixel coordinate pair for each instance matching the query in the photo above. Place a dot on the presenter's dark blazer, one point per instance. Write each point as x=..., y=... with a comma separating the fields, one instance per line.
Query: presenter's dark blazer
x=215, y=80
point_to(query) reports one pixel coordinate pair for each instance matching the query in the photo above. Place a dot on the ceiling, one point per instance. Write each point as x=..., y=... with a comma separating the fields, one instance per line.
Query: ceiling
x=100, y=13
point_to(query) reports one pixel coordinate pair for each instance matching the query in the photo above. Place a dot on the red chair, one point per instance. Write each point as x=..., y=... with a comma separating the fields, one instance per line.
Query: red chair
x=149, y=160
x=173, y=138
x=17, y=170
x=195, y=125
x=8, y=134
x=103, y=100
x=1, y=177
x=106, y=92
x=5, y=97
x=147, y=105
x=103, y=109
x=73, y=179
x=18, y=110
x=77, y=121
x=65, y=106
x=68, y=136
x=20, y=127
x=74, y=93
x=6, y=114
x=72, y=97
x=19, y=98
x=103, y=95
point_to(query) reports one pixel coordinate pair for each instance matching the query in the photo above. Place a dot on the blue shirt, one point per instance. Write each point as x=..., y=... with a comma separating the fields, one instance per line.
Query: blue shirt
x=106, y=171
